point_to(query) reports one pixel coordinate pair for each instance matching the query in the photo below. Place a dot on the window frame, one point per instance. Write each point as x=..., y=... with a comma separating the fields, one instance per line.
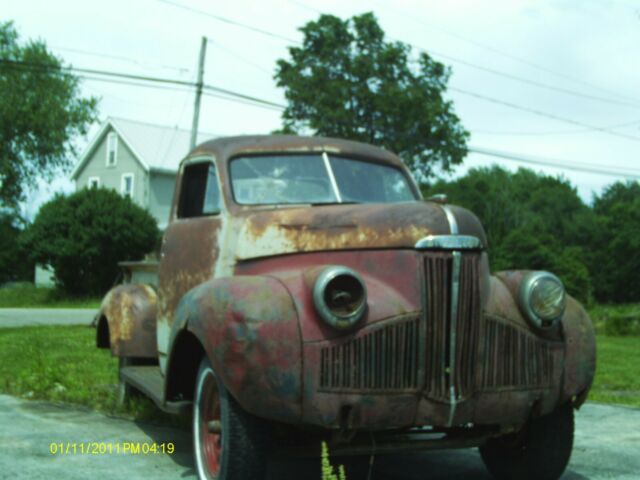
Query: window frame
x=114, y=136
x=178, y=207
x=132, y=176
x=410, y=182
x=92, y=179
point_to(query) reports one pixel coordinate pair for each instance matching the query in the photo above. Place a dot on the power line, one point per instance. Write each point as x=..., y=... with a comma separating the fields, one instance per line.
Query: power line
x=541, y=113
x=563, y=132
x=228, y=21
x=122, y=59
x=510, y=55
x=559, y=164
x=132, y=79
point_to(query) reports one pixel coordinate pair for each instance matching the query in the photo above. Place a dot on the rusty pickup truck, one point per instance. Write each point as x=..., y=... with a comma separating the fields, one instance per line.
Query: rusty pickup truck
x=305, y=291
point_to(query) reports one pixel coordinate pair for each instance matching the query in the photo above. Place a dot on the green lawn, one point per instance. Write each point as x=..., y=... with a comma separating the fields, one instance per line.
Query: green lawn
x=28, y=296
x=62, y=364
x=617, y=371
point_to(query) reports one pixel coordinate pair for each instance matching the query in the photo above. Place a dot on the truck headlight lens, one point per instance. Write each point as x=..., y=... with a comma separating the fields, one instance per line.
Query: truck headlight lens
x=543, y=298
x=340, y=296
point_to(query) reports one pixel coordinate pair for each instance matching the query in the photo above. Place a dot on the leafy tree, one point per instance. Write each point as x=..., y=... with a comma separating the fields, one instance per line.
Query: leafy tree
x=347, y=81
x=12, y=256
x=532, y=221
x=616, y=242
x=41, y=111
x=84, y=236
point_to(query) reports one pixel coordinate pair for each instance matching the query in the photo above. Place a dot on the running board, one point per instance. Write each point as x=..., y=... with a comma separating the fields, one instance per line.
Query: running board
x=150, y=382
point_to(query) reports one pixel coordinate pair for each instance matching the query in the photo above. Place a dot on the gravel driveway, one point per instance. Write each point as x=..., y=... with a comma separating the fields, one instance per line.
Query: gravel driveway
x=607, y=446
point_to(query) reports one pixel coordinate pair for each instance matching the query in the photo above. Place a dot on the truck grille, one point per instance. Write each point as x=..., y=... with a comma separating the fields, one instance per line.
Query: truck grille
x=452, y=335
x=385, y=359
x=514, y=358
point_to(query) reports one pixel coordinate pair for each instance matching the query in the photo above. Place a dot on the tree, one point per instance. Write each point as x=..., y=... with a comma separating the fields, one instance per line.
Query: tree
x=347, y=81
x=616, y=241
x=12, y=256
x=41, y=112
x=85, y=235
x=532, y=221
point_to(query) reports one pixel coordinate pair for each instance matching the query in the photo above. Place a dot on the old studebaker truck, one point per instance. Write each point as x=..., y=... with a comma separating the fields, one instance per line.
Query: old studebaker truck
x=305, y=291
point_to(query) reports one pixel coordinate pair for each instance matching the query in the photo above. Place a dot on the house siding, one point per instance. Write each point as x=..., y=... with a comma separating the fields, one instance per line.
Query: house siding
x=161, y=186
x=111, y=177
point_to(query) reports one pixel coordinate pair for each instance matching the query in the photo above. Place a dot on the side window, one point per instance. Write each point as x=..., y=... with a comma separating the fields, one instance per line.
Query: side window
x=126, y=185
x=112, y=149
x=93, y=182
x=200, y=193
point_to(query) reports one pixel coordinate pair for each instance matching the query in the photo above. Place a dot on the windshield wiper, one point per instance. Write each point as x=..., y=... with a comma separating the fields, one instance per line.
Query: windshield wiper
x=350, y=202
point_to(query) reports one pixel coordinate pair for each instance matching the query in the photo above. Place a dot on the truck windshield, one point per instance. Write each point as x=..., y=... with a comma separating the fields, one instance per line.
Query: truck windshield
x=316, y=179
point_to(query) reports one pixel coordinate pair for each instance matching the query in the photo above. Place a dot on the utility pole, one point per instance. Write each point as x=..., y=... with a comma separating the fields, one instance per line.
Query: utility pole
x=199, y=84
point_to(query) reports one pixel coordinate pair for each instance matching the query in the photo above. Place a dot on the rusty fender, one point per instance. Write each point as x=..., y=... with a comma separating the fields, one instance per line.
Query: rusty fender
x=578, y=336
x=127, y=321
x=248, y=326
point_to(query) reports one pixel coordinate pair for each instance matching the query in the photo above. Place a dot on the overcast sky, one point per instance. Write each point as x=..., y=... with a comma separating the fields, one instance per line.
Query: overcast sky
x=584, y=52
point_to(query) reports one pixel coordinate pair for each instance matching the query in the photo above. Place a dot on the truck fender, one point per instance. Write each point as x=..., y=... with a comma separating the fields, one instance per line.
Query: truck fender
x=127, y=322
x=248, y=328
x=578, y=336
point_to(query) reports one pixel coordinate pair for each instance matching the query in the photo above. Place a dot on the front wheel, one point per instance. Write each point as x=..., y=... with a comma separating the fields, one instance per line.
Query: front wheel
x=228, y=442
x=540, y=451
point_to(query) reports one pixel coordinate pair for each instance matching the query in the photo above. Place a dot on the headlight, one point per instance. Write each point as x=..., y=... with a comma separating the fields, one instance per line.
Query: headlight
x=543, y=298
x=340, y=296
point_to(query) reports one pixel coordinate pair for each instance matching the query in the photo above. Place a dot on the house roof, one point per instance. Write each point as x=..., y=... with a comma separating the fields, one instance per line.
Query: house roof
x=157, y=147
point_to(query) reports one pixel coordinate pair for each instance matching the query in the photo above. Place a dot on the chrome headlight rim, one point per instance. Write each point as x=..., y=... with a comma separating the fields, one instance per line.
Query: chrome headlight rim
x=529, y=283
x=339, y=322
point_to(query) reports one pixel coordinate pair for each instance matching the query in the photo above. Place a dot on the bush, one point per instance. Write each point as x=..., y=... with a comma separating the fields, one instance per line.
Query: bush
x=85, y=235
x=13, y=266
x=622, y=325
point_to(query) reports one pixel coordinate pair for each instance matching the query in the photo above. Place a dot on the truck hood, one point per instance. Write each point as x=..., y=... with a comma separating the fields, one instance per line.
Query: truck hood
x=345, y=227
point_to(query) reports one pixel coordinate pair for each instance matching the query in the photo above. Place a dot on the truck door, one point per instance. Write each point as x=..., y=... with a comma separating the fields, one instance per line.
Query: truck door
x=190, y=247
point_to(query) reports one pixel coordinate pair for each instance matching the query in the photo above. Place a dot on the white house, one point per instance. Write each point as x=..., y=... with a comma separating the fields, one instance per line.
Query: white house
x=137, y=159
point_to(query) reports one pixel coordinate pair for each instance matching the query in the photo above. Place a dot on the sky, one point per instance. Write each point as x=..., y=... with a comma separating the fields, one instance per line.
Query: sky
x=551, y=81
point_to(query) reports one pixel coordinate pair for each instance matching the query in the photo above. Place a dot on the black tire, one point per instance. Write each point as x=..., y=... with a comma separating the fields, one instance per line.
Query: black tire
x=240, y=450
x=126, y=392
x=541, y=451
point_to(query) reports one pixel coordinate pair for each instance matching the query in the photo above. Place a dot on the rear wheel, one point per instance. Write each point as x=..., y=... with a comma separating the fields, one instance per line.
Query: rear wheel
x=540, y=451
x=228, y=442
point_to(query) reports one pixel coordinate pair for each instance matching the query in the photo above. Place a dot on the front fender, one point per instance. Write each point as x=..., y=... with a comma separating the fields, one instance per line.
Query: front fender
x=578, y=336
x=248, y=326
x=130, y=314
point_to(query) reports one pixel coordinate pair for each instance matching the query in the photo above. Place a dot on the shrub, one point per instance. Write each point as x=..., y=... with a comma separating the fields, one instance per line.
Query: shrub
x=622, y=325
x=85, y=235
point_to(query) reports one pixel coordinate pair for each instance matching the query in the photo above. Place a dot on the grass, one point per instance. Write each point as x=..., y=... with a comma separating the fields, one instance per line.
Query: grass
x=29, y=296
x=618, y=365
x=62, y=364
x=616, y=320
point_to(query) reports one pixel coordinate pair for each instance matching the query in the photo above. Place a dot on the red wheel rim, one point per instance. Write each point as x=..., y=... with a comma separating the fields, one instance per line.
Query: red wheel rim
x=210, y=410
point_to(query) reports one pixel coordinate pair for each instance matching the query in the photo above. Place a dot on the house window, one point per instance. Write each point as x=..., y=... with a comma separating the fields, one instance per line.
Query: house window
x=112, y=149
x=93, y=182
x=126, y=185
x=200, y=192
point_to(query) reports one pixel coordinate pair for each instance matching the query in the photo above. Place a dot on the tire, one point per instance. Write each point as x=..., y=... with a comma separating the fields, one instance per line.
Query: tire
x=239, y=451
x=540, y=451
x=126, y=392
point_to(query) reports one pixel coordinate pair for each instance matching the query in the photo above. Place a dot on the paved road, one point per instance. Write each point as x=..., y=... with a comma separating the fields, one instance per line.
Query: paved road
x=607, y=447
x=27, y=317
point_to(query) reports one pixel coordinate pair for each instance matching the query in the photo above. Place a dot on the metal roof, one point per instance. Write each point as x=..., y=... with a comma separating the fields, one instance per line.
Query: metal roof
x=157, y=147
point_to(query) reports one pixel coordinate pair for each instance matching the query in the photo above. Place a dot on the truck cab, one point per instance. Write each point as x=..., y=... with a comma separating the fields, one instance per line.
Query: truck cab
x=304, y=289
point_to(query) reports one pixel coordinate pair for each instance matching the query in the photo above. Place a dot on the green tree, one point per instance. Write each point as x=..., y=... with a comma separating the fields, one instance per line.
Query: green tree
x=41, y=112
x=347, y=81
x=85, y=235
x=533, y=221
x=615, y=262
x=12, y=256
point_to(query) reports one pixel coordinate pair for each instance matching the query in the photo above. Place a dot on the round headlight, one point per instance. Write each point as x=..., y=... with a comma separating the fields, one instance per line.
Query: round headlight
x=340, y=296
x=543, y=298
